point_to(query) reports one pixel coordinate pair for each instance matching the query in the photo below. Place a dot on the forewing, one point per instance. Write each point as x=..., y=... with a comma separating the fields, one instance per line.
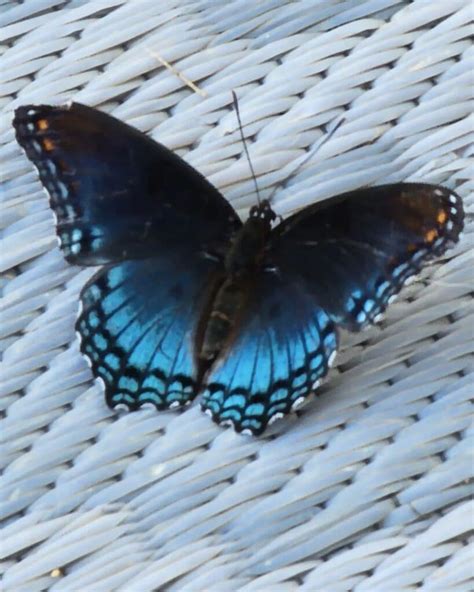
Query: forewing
x=137, y=324
x=115, y=192
x=356, y=251
x=282, y=348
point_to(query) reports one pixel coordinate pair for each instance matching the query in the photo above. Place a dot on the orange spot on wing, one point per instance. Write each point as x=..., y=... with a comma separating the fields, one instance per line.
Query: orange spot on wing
x=430, y=235
x=48, y=144
x=442, y=217
x=411, y=248
x=42, y=124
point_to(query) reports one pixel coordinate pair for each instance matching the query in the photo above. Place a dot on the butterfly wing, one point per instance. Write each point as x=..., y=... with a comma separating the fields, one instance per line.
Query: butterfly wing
x=137, y=324
x=357, y=250
x=115, y=192
x=283, y=346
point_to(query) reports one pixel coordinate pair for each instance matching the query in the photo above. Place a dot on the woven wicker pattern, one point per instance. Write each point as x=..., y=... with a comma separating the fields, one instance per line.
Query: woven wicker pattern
x=368, y=489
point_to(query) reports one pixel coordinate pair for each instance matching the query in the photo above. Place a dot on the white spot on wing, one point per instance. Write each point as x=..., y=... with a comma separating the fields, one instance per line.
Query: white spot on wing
x=299, y=401
x=331, y=358
x=275, y=418
x=49, y=164
x=121, y=407
x=210, y=256
x=174, y=405
x=36, y=145
x=62, y=190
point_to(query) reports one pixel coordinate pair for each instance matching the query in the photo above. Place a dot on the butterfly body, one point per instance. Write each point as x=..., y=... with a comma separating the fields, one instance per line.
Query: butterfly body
x=243, y=260
x=191, y=300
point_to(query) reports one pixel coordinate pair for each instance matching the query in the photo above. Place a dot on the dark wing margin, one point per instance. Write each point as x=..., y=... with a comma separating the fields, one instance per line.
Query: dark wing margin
x=357, y=250
x=116, y=193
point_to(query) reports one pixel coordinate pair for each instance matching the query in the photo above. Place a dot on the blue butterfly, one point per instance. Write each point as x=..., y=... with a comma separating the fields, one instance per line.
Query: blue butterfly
x=190, y=299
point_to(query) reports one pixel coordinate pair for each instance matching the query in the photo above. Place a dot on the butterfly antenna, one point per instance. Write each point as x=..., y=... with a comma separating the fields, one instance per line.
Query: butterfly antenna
x=241, y=129
x=310, y=155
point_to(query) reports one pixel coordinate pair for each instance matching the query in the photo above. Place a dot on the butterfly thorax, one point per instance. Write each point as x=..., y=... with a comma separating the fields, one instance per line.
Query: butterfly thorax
x=248, y=246
x=229, y=300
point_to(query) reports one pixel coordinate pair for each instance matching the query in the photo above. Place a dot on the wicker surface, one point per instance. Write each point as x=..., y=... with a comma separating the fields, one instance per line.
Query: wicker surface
x=368, y=489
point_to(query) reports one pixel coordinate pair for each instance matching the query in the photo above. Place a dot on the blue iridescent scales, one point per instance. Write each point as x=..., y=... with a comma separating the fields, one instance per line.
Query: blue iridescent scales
x=143, y=353
x=190, y=299
x=281, y=357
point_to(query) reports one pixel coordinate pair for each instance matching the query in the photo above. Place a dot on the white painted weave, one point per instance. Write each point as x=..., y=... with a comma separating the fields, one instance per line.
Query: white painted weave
x=368, y=490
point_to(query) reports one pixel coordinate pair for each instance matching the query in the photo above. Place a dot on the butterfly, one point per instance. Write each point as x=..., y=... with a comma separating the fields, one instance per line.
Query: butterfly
x=192, y=300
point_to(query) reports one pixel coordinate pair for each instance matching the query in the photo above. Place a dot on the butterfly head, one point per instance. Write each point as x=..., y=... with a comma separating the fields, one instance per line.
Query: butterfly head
x=263, y=211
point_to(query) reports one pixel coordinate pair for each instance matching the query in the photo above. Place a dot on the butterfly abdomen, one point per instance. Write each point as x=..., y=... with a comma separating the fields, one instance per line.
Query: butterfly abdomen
x=224, y=315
